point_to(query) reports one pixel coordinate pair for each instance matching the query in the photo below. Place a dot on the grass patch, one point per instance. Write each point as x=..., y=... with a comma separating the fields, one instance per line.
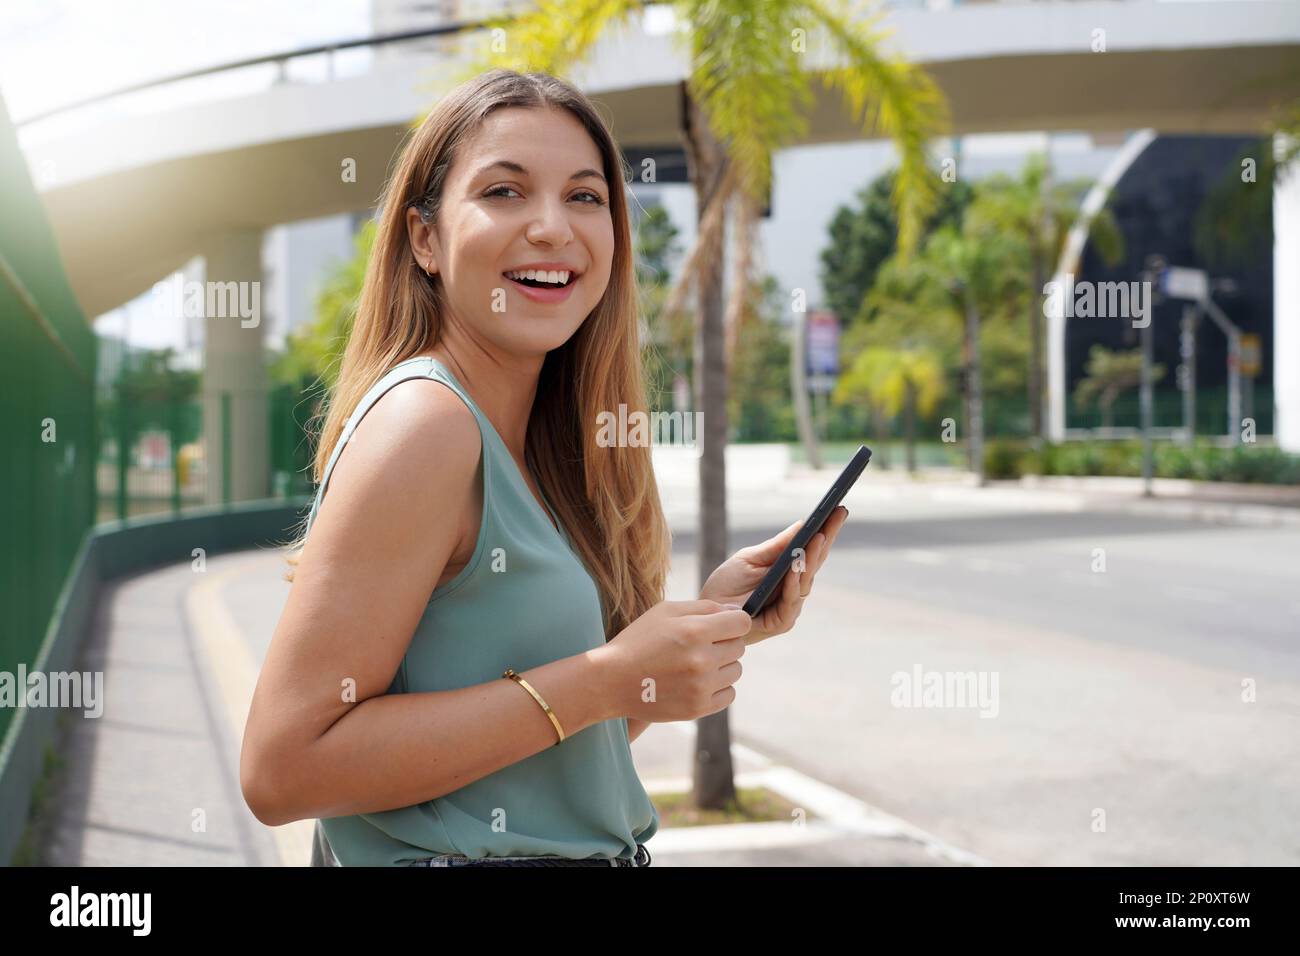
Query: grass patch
x=36, y=832
x=752, y=805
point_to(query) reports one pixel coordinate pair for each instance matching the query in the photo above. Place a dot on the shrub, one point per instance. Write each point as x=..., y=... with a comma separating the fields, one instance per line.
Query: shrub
x=1003, y=458
x=1014, y=457
x=1175, y=461
x=1200, y=462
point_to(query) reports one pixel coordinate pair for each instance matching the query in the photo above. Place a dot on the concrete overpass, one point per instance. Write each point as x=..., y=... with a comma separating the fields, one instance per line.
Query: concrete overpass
x=133, y=197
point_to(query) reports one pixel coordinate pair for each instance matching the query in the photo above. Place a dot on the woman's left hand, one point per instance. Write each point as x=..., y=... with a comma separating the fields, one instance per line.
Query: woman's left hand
x=736, y=578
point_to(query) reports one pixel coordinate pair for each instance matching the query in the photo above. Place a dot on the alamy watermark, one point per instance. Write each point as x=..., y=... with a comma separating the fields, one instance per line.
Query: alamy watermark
x=130, y=910
x=919, y=688
x=56, y=689
x=1101, y=300
x=175, y=298
x=640, y=429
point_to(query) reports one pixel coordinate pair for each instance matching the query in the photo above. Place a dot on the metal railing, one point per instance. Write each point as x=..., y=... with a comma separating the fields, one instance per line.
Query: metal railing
x=280, y=60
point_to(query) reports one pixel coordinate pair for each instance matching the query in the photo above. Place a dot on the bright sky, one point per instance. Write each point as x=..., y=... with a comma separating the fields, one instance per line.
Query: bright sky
x=54, y=52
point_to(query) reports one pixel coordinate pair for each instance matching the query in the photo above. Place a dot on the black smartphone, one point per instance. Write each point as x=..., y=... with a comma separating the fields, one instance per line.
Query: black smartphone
x=765, y=593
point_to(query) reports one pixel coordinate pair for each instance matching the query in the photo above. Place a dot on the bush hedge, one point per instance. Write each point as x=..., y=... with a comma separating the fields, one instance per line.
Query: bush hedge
x=1011, y=458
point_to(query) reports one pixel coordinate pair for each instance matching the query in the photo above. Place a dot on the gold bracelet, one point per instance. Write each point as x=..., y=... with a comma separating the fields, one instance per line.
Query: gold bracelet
x=537, y=697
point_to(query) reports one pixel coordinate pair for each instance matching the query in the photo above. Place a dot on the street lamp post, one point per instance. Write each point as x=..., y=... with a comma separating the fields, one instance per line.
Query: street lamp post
x=1187, y=349
x=1154, y=265
x=974, y=395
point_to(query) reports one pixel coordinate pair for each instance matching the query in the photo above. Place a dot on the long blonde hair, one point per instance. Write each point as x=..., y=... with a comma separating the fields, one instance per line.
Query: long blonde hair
x=606, y=496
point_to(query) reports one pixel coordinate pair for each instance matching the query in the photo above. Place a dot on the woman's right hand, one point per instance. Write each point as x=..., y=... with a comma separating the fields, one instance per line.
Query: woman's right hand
x=677, y=661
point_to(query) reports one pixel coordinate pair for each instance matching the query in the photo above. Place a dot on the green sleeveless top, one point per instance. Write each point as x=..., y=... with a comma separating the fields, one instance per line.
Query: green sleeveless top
x=523, y=600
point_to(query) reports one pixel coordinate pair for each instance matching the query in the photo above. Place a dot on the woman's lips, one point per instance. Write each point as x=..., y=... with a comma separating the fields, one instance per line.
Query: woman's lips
x=556, y=294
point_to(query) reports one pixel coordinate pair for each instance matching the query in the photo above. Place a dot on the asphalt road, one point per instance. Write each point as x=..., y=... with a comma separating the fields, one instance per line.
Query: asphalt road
x=1144, y=714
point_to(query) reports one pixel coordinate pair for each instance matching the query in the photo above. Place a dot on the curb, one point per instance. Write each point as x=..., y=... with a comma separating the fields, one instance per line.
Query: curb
x=839, y=815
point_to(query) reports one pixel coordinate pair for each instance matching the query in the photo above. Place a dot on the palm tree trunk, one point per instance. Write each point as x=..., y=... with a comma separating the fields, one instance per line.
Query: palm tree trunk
x=975, y=392
x=714, y=780
x=799, y=391
x=1036, y=353
x=909, y=423
x=966, y=378
x=881, y=424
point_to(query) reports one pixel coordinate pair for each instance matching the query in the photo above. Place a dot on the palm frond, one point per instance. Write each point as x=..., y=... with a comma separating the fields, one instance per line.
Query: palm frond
x=891, y=96
x=552, y=37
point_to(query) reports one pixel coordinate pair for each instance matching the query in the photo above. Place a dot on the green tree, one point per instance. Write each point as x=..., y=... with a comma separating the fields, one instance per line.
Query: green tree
x=910, y=380
x=312, y=352
x=946, y=297
x=863, y=237
x=149, y=376
x=1237, y=212
x=747, y=94
x=1108, y=374
x=759, y=404
x=1041, y=212
x=152, y=392
x=666, y=340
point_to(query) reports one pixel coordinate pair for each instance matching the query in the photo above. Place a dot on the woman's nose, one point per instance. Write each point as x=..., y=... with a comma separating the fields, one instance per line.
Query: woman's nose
x=551, y=224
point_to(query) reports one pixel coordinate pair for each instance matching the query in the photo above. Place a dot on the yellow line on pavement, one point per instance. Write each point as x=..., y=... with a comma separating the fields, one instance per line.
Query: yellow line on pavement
x=232, y=666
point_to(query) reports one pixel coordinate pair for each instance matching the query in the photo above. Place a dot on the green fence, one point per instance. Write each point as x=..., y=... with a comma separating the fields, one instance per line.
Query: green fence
x=1008, y=417
x=47, y=429
x=159, y=437
x=292, y=407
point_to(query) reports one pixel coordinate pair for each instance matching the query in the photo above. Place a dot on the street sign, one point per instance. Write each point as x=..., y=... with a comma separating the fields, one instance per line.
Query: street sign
x=821, y=384
x=823, y=351
x=1249, y=354
x=1180, y=283
x=823, y=344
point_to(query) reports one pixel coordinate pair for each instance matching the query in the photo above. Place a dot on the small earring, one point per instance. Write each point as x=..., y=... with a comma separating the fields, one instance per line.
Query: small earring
x=429, y=267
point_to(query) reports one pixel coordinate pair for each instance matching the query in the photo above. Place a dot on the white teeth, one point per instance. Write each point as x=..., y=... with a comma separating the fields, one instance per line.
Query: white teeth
x=556, y=278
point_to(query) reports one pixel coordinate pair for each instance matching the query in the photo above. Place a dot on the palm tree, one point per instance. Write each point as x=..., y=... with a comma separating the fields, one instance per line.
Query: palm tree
x=1108, y=374
x=1234, y=220
x=894, y=379
x=1041, y=211
x=747, y=95
x=960, y=277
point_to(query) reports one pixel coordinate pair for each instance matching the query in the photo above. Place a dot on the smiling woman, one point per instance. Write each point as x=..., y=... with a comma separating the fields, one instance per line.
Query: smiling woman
x=500, y=536
x=477, y=618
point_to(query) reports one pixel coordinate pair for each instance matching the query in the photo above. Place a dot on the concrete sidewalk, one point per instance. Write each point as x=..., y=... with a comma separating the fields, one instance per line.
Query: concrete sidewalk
x=155, y=780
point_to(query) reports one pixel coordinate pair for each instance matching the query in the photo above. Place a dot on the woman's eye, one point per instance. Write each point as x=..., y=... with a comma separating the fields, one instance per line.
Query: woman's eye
x=594, y=199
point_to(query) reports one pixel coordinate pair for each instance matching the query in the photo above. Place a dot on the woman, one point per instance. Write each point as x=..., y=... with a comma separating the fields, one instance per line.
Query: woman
x=477, y=628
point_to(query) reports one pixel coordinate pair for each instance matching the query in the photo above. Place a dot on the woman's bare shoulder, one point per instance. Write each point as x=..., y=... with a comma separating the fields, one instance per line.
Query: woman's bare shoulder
x=425, y=421
x=416, y=450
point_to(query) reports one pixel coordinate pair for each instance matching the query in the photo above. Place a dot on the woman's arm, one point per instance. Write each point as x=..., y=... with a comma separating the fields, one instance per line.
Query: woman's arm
x=323, y=737
x=396, y=750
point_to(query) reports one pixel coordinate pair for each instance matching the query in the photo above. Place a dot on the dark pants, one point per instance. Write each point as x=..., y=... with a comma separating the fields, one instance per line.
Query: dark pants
x=322, y=855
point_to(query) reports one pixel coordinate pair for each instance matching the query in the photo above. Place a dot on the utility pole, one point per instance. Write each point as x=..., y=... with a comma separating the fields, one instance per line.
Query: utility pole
x=1195, y=285
x=1234, y=362
x=976, y=392
x=799, y=388
x=1154, y=265
x=1187, y=349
